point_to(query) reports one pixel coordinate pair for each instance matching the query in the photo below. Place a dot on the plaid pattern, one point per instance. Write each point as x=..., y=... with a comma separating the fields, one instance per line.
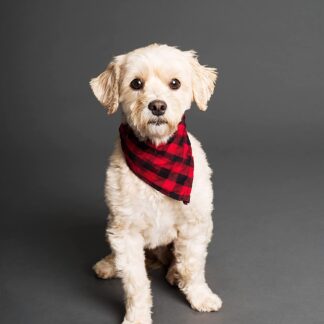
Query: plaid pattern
x=168, y=167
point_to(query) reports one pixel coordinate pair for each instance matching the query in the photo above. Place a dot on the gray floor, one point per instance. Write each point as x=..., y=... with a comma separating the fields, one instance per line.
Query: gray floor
x=265, y=260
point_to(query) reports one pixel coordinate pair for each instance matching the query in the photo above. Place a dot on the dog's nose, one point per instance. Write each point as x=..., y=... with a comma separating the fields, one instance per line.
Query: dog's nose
x=157, y=107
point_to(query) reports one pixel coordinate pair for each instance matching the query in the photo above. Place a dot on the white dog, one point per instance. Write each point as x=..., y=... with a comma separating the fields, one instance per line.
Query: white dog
x=154, y=86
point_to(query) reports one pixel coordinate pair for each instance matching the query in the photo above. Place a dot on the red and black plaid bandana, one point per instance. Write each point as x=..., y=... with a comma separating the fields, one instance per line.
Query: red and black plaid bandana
x=168, y=167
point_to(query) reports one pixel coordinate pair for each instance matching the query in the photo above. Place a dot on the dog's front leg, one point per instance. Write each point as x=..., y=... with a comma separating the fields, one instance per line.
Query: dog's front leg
x=128, y=248
x=190, y=250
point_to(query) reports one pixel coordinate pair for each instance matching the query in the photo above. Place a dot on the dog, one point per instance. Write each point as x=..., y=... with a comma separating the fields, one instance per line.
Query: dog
x=154, y=86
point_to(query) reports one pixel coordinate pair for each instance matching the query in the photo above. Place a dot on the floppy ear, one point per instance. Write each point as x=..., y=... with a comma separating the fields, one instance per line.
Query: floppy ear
x=106, y=86
x=203, y=81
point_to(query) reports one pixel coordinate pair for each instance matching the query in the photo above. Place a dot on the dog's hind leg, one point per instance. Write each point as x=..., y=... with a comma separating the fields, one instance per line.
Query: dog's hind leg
x=159, y=257
x=106, y=268
x=172, y=274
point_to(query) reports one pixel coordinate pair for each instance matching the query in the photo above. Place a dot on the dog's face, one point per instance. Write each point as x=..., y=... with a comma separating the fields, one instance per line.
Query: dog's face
x=154, y=85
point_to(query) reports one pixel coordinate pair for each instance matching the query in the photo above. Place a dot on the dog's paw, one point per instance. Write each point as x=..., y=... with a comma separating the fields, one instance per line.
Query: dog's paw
x=204, y=300
x=105, y=269
x=171, y=276
x=137, y=315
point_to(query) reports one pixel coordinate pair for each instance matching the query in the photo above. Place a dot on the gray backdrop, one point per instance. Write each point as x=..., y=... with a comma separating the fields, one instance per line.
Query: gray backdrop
x=263, y=134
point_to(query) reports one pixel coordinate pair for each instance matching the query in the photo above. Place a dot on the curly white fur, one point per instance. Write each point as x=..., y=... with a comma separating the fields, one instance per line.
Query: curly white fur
x=140, y=217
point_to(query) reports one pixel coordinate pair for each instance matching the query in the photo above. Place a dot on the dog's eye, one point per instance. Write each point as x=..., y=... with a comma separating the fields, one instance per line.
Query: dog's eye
x=174, y=84
x=137, y=84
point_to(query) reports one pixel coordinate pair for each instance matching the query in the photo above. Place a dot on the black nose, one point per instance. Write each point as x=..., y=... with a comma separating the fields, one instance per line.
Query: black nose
x=158, y=107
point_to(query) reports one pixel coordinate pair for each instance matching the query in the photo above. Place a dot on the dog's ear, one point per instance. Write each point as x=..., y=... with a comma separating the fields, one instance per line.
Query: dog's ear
x=106, y=85
x=203, y=81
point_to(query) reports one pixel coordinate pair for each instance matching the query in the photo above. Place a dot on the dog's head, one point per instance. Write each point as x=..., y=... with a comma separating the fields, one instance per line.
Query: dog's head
x=154, y=85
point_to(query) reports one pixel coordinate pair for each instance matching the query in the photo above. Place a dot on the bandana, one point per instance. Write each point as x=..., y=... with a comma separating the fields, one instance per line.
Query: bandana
x=168, y=167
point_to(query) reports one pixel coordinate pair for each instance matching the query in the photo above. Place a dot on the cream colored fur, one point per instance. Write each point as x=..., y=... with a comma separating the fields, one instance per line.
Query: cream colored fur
x=141, y=218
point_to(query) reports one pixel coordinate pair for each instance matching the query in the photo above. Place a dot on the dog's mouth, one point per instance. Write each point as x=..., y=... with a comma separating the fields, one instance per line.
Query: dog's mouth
x=157, y=122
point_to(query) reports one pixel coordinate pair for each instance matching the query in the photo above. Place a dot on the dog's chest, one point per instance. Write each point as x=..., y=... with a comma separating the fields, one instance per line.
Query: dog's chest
x=140, y=206
x=156, y=215
x=160, y=227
